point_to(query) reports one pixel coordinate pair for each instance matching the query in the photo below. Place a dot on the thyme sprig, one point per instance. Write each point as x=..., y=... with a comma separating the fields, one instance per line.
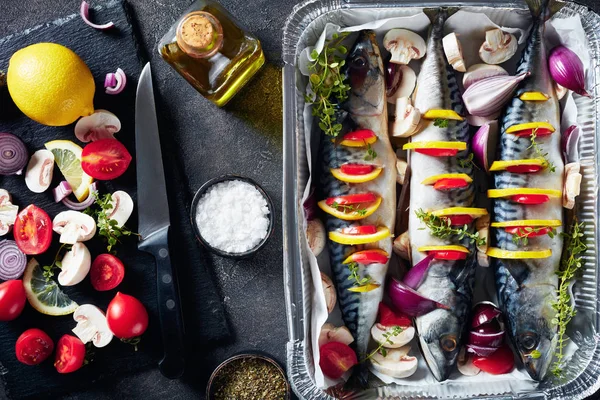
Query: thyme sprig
x=539, y=151
x=440, y=122
x=523, y=233
x=442, y=228
x=371, y=154
x=354, y=276
x=387, y=336
x=56, y=264
x=571, y=262
x=349, y=208
x=327, y=84
x=467, y=161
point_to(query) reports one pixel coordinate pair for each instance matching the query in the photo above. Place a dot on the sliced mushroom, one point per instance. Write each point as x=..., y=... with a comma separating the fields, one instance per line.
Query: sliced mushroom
x=404, y=45
x=329, y=290
x=572, y=185
x=453, y=51
x=396, y=363
x=380, y=334
x=74, y=226
x=465, y=363
x=122, y=207
x=75, y=265
x=92, y=325
x=315, y=234
x=402, y=246
x=478, y=72
x=8, y=212
x=499, y=46
x=401, y=167
x=332, y=333
x=38, y=175
x=407, y=118
x=407, y=84
x=101, y=124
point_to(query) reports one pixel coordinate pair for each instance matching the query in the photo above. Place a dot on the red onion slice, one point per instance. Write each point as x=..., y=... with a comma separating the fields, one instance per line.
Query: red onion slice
x=484, y=144
x=73, y=205
x=481, y=350
x=110, y=80
x=62, y=191
x=410, y=302
x=414, y=276
x=310, y=205
x=13, y=154
x=12, y=260
x=84, y=11
x=121, y=81
x=486, y=339
x=483, y=313
x=570, y=144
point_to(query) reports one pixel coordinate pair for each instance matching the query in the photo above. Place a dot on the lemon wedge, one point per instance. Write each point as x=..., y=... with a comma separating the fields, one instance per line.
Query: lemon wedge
x=527, y=222
x=353, y=214
x=472, y=211
x=496, y=193
x=443, y=114
x=435, y=145
x=534, y=96
x=338, y=174
x=45, y=295
x=67, y=156
x=450, y=247
x=517, y=255
x=364, y=288
x=433, y=179
x=501, y=165
x=344, y=238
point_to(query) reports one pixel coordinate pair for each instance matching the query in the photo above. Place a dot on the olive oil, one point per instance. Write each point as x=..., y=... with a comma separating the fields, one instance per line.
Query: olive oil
x=210, y=50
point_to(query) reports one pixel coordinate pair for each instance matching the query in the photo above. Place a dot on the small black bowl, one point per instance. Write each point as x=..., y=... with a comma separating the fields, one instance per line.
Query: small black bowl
x=200, y=193
x=247, y=355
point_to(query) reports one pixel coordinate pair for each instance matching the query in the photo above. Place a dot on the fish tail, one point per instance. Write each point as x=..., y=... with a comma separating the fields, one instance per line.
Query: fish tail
x=439, y=13
x=544, y=9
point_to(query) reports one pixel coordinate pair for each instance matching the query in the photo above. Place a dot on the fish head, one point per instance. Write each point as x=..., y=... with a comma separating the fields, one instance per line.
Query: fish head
x=364, y=71
x=439, y=337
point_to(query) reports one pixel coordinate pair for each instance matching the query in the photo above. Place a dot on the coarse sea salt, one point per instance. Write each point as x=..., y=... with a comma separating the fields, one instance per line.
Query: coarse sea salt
x=232, y=216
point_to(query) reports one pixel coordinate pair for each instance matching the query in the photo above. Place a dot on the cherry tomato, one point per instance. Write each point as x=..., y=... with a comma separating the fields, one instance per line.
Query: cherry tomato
x=389, y=317
x=356, y=169
x=531, y=199
x=336, y=359
x=524, y=169
x=359, y=135
x=450, y=183
x=107, y=272
x=70, y=354
x=438, y=152
x=539, y=132
x=367, y=257
x=360, y=230
x=448, y=255
x=459, y=220
x=33, y=347
x=521, y=231
x=126, y=316
x=105, y=159
x=359, y=198
x=499, y=362
x=33, y=230
x=12, y=300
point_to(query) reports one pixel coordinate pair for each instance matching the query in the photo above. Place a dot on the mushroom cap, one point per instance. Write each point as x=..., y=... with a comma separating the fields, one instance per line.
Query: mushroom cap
x=90, y=318
x=75, y=265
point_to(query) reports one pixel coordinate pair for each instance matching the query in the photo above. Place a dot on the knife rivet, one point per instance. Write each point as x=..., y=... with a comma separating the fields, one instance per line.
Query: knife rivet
x=163, y=253
x=170, y=304
x=166, y=278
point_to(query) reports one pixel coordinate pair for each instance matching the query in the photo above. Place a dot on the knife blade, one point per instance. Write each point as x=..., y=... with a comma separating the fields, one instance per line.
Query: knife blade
x=154, y=224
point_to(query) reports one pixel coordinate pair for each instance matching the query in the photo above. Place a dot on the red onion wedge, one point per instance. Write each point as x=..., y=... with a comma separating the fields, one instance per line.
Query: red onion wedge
x=13, y=154
x=567, y=70
x=481, y=350
x=393, y=78
x=310, y=205
x=84, y=11
x=12, y=260
x=410, y=302
x=483, y=313
x=61, y=191
x=486, y=339
x=570, y=144
x=121, y=81
x=73, y=205
x=484, y=144
x=414, y=276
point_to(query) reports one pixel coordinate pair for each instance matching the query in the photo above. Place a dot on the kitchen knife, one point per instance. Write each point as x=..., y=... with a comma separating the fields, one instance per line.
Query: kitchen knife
x=154, y=224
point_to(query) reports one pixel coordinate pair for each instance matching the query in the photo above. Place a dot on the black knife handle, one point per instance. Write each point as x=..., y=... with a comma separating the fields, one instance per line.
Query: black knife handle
x=169, y=306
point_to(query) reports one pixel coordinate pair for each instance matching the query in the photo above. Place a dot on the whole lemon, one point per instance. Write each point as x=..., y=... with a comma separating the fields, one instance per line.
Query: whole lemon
x=50, y=84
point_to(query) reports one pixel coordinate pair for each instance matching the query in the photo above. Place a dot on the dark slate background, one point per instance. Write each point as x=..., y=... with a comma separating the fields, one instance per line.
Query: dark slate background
x=212, y=142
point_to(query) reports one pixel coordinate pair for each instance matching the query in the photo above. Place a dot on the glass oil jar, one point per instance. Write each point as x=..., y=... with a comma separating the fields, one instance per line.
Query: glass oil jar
x=211, y=51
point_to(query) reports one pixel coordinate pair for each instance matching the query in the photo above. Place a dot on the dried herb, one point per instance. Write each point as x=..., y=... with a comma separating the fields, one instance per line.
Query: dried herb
x=523, y=233
x=107, y=227
x=56, y=264
x=354, y=276
x=442, y=228
x=395, y=331
x=371, y=154
x=249, y=379
x=440, y=122
x=539, y=151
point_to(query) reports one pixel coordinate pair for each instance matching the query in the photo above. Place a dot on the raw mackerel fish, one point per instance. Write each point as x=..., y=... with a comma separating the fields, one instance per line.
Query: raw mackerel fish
x=365, y=108
x=527, y=286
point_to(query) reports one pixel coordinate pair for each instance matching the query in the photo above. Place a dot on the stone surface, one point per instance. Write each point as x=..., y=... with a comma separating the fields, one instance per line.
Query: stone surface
x=216, y=141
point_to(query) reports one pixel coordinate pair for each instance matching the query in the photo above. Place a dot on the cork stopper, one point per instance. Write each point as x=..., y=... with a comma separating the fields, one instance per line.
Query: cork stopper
x=200, y=34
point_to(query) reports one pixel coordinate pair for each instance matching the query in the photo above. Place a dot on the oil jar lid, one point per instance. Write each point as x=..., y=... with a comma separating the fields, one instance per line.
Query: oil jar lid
x=200, y=34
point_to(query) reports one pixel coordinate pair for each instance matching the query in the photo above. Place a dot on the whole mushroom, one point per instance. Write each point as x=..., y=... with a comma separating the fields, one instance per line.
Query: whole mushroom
x=74, y=226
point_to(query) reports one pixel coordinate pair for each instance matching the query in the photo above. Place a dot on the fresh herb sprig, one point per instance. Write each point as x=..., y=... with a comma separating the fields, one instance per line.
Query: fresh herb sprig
x=467, y=162
x=355, y=208
x=354, y=276
x=523, y=233
x=387, y=336
x=108, y=228
x=571, y=262
x=442, y=228
x=327, y=84
x=539, y=151
x=371, y=154
x=56, y=264
x=440, y=122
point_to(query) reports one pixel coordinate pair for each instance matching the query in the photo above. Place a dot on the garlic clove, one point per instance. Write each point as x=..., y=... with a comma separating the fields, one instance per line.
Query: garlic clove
x=329, y=291
x=478, y=72
x=572, y=184
x=499, y=46
x=401, y=246
x=401, y=167
x=404, y=45
x=332, y=333
x=407, y=84
x=453, y=51
x=407, y=118
x=38, y=175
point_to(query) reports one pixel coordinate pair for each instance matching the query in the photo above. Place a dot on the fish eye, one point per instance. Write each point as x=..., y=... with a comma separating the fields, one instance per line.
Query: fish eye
x=448, y=343
x=529, y=340
x=359, y=62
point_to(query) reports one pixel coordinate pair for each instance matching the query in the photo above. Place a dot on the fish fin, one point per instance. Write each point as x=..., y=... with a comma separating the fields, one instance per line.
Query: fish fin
x=544, y=8
x=433, y=13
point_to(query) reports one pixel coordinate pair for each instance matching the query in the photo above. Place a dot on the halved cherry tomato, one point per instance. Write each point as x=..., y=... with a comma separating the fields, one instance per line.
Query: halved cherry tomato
x=524, y=169
x=389, y=317
x=12, y=299
x=361, y=134
x=360, y=230
x=499, y=362
x=530, y=198
x=356, y=169
x=359, y=198
x=367, y=257
x=438, y=152
x=33, y=230
x=105, y=159
x=459, y=220
x=539, y=132
x=448, y=254
x=522, y=232
x=336, y=359
x=126, y=316
x=33, y=347
x=70, y=354
x=450, y=183
x=107, y=272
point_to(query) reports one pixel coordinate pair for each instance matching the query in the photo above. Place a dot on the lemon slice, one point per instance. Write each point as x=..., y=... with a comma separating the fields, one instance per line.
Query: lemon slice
x=350, y=258
x=501, y=165
x=530, y=125
x=338, y=174
x=495, y=193
x=435, y=145
x=534, y=96
x=451, y=247
x=444, y=114
x=45, y=295
x=343, y=238
x=364, y=288
x=433, y=179
x=352, y=215
x=527, y=222
x=517, y=255
x=473, y=212
x=67, y=156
